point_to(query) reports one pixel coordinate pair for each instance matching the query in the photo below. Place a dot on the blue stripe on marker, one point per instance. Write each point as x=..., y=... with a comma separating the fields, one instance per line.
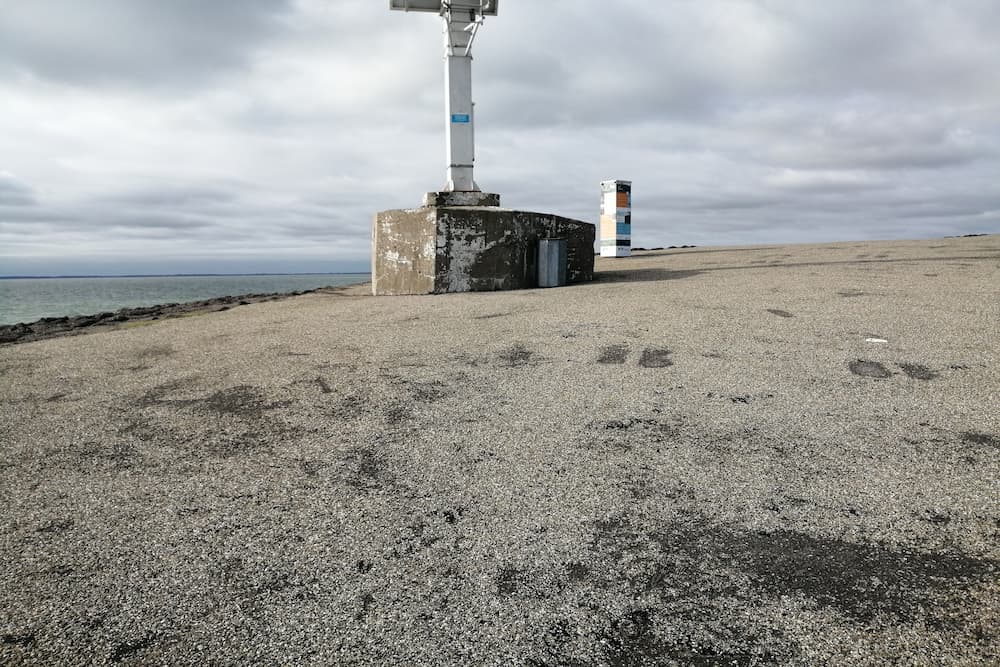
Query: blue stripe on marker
x=460, y=118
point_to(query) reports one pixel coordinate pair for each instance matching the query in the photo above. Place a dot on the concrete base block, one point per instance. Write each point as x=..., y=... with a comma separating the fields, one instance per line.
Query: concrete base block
x=439, y=249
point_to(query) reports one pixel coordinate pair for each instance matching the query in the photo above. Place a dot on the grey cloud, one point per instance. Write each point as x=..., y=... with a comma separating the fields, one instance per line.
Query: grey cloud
x=944, y=212
x=322, y=231
x=888, y=155
x=824, y=182
x=160, y=221
x=101, y=224
x=173, y=196
x=679, y=60
x=206, y=216
x=916, y=48
x=854, y=137
x=136, y=42
x=28, y=220
x=950, y=205
x=715, y=201
x=14, y=193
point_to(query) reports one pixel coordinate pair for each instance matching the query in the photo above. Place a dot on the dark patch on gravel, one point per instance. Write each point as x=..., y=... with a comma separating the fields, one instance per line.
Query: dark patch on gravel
x=577, y=572
x=694, y=560
x=644, y=275
x=780, y=313
x=637, y=638
x=310, y=467
x=918, y=372
x=554, y=643
x=56, y=526
x=468, y=359
x=516, y=355
x=365, y=601
x=324, y=386
x=351, y=406
x=242, y=401
x=140, y=429
x=641, y=488
x=935, y=517
x=861, y=581
x=119, y=455
x=623, y=424
x=430, y=391
x=397, y=414
x=127, y=649
x=428, y=530
x=245, y=423
x=452, y=516
x=869, y=369
x=508, y=580
x=492, y=316
x=157, y=396
x=976, y=438
x=851, y=293
x=156, y=352
x=631, y=639
x=367, y=470
x=419, y=535
x=613, y=354
x=655, y=358
x=297, y=588
x=18, y=639
x=627, y=434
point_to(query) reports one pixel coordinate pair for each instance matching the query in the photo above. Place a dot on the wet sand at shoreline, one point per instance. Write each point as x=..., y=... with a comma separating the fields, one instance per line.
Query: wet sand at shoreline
x=760, y=455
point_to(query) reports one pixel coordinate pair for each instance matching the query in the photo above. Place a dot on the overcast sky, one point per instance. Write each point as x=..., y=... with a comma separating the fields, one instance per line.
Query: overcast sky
x=145, y=136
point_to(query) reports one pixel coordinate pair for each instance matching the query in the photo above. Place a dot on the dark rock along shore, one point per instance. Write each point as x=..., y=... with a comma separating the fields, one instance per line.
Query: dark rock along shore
x=50, y=327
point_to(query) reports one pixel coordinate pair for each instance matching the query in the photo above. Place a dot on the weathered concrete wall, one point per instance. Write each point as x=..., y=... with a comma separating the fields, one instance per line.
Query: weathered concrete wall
x=474, y=249
x=404, y=251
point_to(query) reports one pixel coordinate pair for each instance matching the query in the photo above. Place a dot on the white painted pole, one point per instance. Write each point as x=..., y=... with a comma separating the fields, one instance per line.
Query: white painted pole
x=459, y=32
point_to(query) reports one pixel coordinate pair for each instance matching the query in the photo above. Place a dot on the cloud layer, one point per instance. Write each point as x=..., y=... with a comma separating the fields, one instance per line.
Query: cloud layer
x=263, y=134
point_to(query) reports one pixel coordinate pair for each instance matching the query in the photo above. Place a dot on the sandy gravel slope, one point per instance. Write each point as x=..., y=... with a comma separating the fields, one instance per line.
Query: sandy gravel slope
x=704, y=457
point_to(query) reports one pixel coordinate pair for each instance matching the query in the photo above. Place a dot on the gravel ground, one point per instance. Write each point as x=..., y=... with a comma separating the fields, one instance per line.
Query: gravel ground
x=728, y=456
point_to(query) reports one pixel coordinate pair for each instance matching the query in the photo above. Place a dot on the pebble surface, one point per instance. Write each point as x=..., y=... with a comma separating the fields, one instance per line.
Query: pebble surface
x=715, y=456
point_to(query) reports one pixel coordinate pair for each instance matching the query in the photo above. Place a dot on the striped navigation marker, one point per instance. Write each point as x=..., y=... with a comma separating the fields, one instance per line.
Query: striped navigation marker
x=616, y=219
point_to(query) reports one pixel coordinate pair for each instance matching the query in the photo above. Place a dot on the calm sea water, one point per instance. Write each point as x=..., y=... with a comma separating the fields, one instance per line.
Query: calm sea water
x=28, y=299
